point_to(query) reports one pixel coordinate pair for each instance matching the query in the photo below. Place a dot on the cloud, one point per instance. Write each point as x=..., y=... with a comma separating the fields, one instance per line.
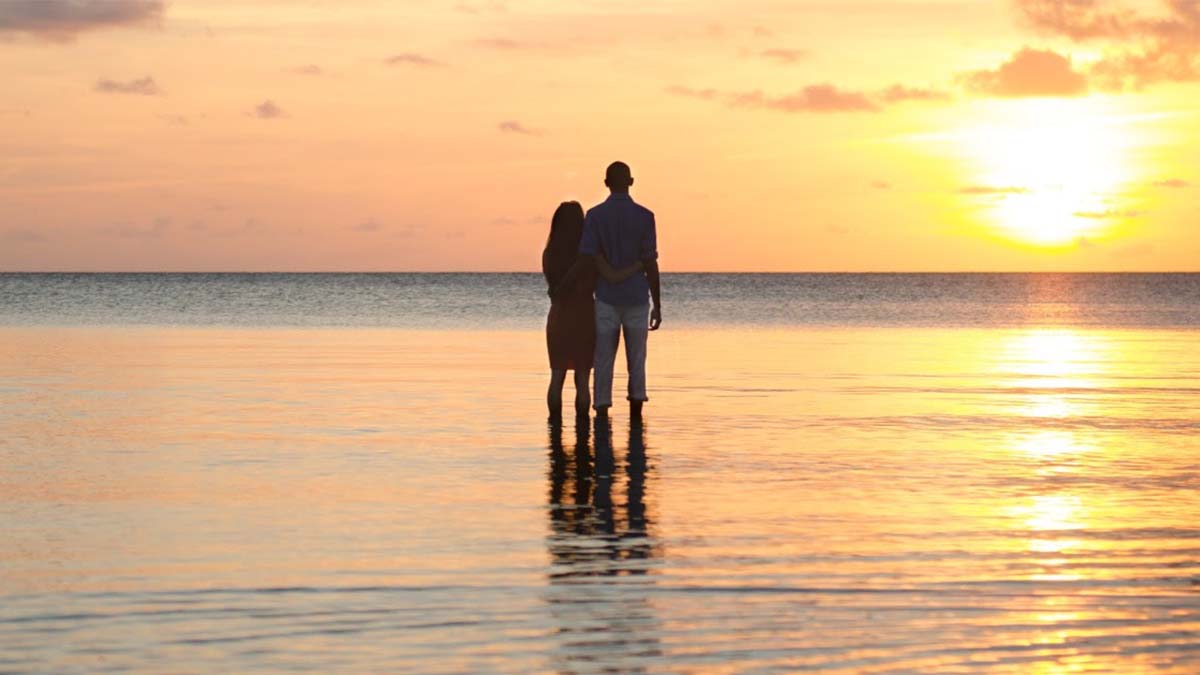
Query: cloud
x=412, y=59
x=1030, y=72
x=177, y=120
x=371, y=225
x=145, y=86
x=821, y=98
x=62, y=20
x=785, y=55
x=500, y=43
x=817, y=98
x=21, y=235
x=1150, y=49
x=506, y=221
x=268, y=110
x=898, y=93
x=310, y=69
x=1105, y=215
x=881, y=185
x=154, y=230
x=514, y=127
x=1176, y=183
x=689, y=92
x=992, y=190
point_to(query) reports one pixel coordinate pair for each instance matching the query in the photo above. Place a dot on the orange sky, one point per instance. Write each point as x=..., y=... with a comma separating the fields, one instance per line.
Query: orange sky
x=440, y=135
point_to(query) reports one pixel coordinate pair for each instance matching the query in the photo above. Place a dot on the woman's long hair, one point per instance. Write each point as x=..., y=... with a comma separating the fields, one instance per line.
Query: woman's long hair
x=562, y=246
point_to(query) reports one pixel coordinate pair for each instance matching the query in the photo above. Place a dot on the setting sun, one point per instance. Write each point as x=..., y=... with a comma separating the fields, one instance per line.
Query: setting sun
x=1054, y=172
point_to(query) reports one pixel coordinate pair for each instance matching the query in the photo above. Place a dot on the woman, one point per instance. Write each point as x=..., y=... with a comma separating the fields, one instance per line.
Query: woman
x=571, y=324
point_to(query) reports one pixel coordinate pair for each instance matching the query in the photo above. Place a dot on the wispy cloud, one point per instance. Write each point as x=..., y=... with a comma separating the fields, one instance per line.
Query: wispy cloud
x=1029, y=72
x=62, y=20
x=412, y=59
x=819, y=98
x=505, y=44
x=881, y=185
x=1176, y=183
x=311, y=69
x=786, y=56
x=689, y=92
x=1110, y=214
x=22, y=235
x=371, y=225
x=898, y=93
x=144, y=86
x=514, y=127
x=157, y=228
x=815, y=98
x=268, y=110
x=992, y=190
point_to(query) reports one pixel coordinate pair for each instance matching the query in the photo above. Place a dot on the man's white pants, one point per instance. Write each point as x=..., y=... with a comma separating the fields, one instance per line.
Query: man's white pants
x=611, y=321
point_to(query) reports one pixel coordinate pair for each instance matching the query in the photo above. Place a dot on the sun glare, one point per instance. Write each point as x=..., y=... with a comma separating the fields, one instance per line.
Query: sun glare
x=1050, y=172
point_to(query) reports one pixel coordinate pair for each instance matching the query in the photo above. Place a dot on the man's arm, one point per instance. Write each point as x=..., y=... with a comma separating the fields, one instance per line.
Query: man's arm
x=655, y=293
x=649, y=256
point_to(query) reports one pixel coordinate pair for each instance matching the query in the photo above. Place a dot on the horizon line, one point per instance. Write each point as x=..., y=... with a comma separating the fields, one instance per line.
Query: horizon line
x=730, y=272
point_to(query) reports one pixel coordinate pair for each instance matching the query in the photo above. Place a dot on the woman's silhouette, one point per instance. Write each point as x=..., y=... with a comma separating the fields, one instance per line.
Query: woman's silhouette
x=571, y=324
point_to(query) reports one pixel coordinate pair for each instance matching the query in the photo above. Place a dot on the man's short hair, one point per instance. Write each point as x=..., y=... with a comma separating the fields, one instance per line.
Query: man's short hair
x=618, y=173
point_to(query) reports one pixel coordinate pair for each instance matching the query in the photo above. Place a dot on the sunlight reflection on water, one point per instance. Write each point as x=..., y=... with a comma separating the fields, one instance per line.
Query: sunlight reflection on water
x=828, y=500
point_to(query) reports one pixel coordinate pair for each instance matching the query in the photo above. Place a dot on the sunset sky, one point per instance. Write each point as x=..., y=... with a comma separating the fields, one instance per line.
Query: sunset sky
x=767, y=135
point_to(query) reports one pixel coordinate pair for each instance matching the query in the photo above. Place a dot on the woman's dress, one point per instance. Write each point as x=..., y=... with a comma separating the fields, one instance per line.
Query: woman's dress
x=571, y=324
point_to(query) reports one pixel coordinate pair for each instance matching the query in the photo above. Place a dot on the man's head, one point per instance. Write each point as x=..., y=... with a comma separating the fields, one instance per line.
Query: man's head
x=617, y=177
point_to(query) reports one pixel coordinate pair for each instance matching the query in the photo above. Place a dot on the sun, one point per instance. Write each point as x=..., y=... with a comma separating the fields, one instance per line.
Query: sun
x=1051, y=172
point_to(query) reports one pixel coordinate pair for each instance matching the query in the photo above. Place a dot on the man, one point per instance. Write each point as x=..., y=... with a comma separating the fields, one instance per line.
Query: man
x=624, y=233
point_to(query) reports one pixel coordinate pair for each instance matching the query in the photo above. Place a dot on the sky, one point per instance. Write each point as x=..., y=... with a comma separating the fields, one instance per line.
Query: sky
x=440, y=135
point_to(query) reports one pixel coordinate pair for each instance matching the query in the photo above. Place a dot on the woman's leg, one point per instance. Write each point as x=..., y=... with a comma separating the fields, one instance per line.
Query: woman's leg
x=583, y=399
x=554, y=394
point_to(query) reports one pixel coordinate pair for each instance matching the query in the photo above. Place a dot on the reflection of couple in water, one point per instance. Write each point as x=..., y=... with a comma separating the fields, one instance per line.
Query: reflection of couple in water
x=602, y=271
x=603, y=552
x=590, y=536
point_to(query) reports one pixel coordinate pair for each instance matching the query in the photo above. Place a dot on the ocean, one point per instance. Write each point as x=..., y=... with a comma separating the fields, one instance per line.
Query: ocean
x=837, y=473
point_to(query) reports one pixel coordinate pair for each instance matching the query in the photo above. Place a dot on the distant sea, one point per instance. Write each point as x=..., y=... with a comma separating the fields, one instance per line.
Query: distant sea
x=844, y=474
x=518, y=300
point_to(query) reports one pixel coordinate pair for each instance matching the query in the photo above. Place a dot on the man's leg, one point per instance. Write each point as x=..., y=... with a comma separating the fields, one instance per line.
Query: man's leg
x=635, y=324
x=608, y=335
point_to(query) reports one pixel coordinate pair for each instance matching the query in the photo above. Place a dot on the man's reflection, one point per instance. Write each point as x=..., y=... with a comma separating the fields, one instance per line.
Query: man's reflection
x=601, y=553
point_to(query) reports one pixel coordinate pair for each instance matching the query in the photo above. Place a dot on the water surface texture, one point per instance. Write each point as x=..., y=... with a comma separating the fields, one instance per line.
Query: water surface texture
x=352, y=474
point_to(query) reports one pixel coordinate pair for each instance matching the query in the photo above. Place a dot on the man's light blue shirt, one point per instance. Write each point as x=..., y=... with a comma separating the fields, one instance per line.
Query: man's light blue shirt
x=624, y=232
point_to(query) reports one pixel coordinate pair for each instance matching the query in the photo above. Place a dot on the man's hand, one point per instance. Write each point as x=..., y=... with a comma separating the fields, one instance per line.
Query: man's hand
x=655, y=317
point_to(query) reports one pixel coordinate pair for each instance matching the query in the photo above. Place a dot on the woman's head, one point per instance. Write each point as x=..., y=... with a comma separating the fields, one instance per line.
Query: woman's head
x=562, y=246
x=566, y=227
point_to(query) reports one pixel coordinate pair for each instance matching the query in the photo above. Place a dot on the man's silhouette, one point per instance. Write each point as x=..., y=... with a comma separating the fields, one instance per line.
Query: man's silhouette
x=624, y=232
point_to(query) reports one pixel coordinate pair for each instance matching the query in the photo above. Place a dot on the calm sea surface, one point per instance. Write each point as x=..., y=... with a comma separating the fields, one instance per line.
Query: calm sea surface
x=836, y=474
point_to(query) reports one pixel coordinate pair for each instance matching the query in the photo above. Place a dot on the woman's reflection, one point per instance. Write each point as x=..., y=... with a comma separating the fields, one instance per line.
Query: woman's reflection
x=601, y=552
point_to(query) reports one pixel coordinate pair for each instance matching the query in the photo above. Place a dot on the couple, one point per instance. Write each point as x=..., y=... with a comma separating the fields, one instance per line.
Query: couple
x=613, y=254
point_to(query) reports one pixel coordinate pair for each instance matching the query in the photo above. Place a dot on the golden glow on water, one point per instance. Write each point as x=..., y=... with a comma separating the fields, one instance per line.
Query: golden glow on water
x=1052, y=172
x=799, y=499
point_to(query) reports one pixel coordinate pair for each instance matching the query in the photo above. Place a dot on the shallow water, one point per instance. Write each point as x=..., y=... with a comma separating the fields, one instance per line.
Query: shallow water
x=824, y=499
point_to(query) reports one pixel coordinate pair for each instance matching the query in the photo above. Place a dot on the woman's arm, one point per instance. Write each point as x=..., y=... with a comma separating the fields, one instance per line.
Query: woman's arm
x=615, y=276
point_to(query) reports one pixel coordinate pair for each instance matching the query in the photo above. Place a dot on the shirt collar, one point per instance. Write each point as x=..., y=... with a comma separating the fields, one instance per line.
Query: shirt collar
x=620, y=195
